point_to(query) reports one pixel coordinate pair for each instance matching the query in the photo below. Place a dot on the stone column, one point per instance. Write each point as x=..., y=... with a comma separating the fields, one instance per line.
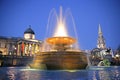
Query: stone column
x=30, y=49
x=27, y=48
x=18, y=47
x=33, y=48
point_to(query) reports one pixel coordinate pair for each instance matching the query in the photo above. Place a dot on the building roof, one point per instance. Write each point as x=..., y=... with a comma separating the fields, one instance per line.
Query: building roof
x=29, y=30
x=10, y=38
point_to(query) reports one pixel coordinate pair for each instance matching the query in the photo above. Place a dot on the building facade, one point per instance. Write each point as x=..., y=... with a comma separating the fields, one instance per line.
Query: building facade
x=26, y=46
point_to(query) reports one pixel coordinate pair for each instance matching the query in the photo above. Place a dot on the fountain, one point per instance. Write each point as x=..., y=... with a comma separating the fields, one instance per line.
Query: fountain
x=105, y=62
x=60, y=51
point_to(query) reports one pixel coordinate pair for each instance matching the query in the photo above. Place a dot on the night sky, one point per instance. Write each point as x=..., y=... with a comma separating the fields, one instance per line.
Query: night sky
x=17, y=15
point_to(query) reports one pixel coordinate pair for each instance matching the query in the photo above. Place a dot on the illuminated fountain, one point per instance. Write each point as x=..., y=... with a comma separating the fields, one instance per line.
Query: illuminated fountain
x=60, y=50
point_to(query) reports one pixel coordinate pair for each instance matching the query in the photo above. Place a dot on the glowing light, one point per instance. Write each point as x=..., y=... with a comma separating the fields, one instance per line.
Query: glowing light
x=117, y=55
x=60, y=30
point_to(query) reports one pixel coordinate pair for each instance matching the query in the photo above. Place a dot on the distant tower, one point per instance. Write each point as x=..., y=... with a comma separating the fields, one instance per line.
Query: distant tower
x=101, y=41
x=29, y=33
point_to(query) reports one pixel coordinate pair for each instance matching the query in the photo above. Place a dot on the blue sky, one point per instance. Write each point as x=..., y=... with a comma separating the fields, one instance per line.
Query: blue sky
x=16, y=15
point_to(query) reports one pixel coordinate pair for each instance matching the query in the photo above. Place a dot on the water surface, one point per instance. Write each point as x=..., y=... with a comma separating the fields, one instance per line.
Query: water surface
x=93, y=73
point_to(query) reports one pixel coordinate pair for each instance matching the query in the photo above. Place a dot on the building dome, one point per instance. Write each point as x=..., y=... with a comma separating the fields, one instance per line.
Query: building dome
x=29, y=33
x=29, y=30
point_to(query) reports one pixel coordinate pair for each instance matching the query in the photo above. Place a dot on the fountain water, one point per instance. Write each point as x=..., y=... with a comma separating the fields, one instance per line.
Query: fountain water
x=61, y=26
x=59, y=49
x=101, y=63
x=105, y=62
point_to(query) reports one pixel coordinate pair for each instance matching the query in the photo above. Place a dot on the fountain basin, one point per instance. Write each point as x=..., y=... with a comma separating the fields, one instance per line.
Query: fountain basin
x=60, y=60
x=61, y=40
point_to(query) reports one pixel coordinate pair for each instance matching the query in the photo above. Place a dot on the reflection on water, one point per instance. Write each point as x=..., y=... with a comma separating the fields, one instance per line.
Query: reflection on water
x=94, y=73
x=105, y=73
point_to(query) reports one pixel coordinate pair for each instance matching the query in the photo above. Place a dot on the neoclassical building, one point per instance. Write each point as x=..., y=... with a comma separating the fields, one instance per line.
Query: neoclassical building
x=20, y=46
